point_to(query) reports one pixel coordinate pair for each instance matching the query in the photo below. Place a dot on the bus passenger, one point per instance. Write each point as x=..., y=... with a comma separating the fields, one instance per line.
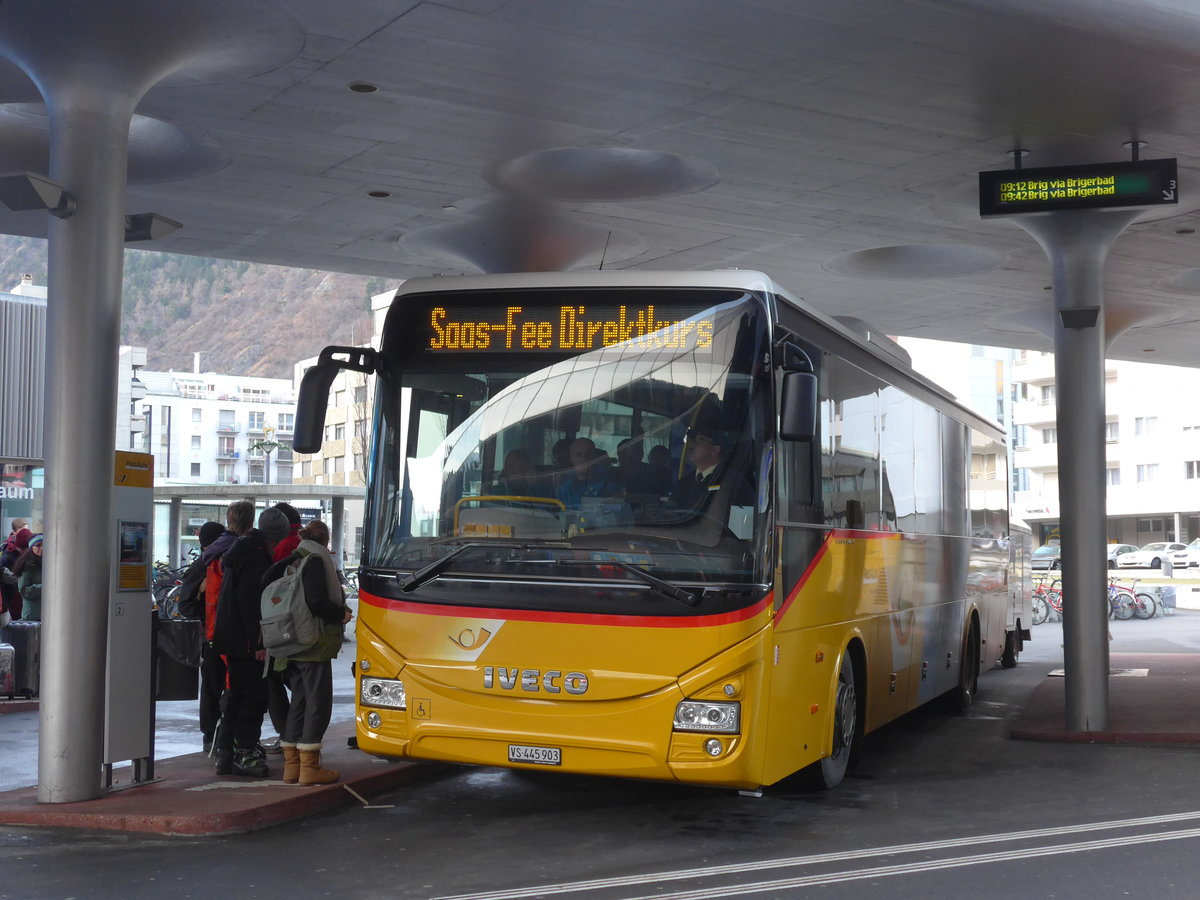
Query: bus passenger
x=634, y=474
x=519, y=475
x=590, y=476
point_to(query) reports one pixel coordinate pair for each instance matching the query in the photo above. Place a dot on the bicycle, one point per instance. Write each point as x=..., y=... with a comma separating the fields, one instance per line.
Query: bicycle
x=1045, y=601
x=1126, y=602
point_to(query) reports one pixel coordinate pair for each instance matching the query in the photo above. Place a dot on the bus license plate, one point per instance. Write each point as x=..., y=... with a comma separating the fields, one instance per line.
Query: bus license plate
x=538, y=756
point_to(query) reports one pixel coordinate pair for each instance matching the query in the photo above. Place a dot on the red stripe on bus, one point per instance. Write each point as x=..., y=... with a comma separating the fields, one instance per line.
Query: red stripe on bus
x=528, y=615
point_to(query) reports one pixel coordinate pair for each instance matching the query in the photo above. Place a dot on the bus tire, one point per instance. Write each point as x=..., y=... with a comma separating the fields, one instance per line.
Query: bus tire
x=829, y=772
x=963, y=694
x=1012, y=648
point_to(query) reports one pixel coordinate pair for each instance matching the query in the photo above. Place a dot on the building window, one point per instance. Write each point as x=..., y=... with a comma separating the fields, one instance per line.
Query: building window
x=360, y=394
x=1047, y=394
x=283, y=474
x=1049, y=435
x=287, y=422
x=195, y=470
x=337, y=463
x=1113, y=476
x=228, y=420
x=257, y=421
x=254, y=473
x=1020, y=479
x=197, y=414
x=225, y=473
x=1144, y=425
x=1112, y=432
x=306, y=469
x=225, y=447
x=1192, y=469
x=339, y=432
x=360, y=428
x=195, y=442
x=1147, y=472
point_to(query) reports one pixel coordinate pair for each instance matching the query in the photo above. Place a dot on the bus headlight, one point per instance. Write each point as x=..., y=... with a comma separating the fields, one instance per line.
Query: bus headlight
x=382, y=692
x=702, y=715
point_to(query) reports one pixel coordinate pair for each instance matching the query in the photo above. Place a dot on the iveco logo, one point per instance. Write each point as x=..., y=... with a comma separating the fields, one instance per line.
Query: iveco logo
x=552, y=681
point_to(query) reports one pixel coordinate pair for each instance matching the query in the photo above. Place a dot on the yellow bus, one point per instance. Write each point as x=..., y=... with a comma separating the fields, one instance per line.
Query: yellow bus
x=675, y=526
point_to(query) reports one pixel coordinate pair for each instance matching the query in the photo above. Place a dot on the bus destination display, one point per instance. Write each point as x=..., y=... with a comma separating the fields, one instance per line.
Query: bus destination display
x=568, y=327
x=1147, y=182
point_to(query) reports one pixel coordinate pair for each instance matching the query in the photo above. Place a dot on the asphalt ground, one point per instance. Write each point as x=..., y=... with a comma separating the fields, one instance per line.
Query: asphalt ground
x=1155, y=666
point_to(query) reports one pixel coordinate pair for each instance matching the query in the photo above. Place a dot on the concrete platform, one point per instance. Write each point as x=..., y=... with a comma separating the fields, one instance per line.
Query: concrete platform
x=187, y=798
x=1153, y=698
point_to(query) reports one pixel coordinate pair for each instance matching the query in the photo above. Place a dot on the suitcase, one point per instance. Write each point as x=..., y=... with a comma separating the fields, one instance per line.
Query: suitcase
x=7, y=663
x=26, y=640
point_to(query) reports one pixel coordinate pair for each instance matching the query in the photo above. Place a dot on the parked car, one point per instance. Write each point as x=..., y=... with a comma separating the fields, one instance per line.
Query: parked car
x=1115, y=550
x=1047, y=557
x=1188, y=556
x=1150, y=556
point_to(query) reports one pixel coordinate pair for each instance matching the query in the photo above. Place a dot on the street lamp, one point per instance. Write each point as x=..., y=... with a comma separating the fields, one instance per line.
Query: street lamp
x=267, y=445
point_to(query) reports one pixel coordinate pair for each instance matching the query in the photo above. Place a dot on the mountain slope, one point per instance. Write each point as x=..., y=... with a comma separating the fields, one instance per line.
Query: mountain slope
x=242, y=318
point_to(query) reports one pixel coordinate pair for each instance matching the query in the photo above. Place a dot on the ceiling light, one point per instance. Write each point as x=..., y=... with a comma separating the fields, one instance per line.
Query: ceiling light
x=379, y=195
x=1185, y=230
x=363, y=87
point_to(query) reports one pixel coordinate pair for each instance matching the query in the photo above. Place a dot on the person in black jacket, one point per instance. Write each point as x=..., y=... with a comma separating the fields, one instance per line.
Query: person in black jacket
x=214, y=541
x=236, y=637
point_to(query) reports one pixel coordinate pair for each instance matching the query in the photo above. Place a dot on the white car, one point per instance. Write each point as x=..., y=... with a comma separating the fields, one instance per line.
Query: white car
x=1150, y=556
x=1188, y=556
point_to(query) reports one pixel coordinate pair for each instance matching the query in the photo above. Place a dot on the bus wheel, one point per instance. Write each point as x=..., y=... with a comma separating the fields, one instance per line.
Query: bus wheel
x=1012, y=649
x=963, y=694
x=829, y=772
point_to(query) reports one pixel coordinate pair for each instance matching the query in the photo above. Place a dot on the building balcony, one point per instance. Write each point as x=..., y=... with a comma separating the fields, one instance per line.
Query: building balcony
x=229, y=454
x=228, y=429
x=1035, y=412
x=1037, y=456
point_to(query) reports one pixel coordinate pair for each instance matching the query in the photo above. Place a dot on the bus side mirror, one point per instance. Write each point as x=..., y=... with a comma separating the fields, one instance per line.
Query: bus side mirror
x=798, y=407
x=314, y=392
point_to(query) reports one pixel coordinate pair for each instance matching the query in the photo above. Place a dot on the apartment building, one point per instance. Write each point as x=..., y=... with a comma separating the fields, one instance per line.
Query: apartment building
x=209, y=428
x=1152, y=435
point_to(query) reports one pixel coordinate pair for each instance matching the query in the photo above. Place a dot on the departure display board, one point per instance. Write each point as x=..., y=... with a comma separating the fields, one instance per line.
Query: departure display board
x=567, y=327
x=1147, y=182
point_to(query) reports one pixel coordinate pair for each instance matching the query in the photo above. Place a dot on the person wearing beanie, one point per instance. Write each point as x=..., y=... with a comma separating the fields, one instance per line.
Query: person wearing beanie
x=28, y=570
x=236, y=637
x=16, y=545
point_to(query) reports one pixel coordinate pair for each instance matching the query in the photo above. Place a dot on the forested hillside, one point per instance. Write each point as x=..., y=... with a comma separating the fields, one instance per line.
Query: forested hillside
x=243, y=318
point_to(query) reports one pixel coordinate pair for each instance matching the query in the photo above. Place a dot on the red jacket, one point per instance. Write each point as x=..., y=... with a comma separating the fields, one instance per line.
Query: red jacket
x=285, y=547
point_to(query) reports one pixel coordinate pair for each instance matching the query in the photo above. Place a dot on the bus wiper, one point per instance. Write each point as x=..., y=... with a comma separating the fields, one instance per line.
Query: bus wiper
x=657, y=585
x=438, y=566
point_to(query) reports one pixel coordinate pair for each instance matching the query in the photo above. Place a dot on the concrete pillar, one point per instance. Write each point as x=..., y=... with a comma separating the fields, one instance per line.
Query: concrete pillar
x=1076, y=244
x=92, y=63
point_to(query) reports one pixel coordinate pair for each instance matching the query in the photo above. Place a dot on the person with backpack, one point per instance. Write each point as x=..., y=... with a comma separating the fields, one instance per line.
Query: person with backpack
x=278, y=701
x=215, y=539
x=236, y=637
x=309, y=671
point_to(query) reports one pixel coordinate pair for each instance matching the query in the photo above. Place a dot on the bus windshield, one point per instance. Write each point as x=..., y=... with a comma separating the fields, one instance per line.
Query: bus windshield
x=643, y=454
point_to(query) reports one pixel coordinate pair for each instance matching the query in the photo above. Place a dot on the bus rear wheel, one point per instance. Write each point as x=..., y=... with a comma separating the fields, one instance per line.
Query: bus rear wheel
x=963, y=695
x=829, y=772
